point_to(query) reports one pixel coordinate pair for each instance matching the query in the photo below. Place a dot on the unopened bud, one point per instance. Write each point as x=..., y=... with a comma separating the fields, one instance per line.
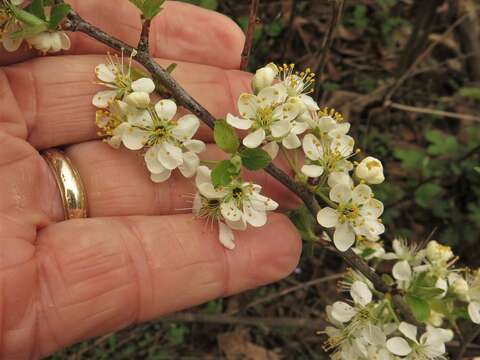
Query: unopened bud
x=138, y=99
x=438, y=252
x=263, y=78
x=370, y=169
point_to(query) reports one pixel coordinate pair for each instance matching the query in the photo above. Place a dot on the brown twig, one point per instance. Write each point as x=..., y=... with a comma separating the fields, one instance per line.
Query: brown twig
x=289, y=290
x=337, y=8
x=469, y=339
x=252, y=22
x=143, y=44
x=314, y=324
x=77, y=23
x=401, y=79
x=421, y=110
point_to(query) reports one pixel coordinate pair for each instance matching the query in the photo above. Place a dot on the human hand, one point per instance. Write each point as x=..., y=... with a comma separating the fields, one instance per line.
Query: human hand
x=138, y=256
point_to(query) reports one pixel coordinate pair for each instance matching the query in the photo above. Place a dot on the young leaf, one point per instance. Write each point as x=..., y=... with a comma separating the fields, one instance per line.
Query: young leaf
x=59, y=12
x=223, y=173
x=225, y=137
x=255, y=159
x=419, y=307
x=149, y=8
x=37, y=8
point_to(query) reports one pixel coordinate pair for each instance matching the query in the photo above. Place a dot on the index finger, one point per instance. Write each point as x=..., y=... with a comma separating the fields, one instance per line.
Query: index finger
x=181, y=32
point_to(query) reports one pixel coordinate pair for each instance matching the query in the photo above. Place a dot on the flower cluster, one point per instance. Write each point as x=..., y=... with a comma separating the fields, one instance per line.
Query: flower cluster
x=370, y=329
x=436, y=293
x=127, y=116
x=280, y=114
x=35, y=27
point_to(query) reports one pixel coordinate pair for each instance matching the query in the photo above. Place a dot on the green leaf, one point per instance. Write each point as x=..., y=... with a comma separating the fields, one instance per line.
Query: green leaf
x=209, y=4
x=149, y=8
x=225, y=137
x=412, y=159
x=59, y=12
x=37, y=8
x=255, y=159
x=304, y=222
x=223, y=173
x=419, y=307
x=427, y=194
x=441, y=144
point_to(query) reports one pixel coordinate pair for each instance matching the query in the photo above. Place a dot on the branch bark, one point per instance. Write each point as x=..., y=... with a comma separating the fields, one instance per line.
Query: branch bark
x=337, y=9
x=252, y=22
x=143, y=44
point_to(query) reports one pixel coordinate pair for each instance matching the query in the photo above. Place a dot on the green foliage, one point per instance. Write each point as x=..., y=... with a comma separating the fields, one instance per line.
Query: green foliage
x=148, y=8
x=225, y=137
x=207, y=4
x=223, y=173
x=472, y=93
x=176, y=334
x=419, y=307
x=305, y=223
x=255, y=159
x=58, y=13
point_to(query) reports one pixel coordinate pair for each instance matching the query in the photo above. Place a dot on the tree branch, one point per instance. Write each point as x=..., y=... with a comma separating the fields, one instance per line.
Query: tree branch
x=337, y=8
x=143, y=44
x=252, y=21
x=469, y=339
x=77, y=23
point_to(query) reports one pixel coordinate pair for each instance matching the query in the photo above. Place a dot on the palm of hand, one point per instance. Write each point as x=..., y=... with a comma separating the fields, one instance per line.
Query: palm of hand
x=137, y=256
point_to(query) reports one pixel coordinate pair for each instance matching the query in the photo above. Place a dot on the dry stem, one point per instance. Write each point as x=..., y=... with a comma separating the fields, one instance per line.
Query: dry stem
x=252, y=21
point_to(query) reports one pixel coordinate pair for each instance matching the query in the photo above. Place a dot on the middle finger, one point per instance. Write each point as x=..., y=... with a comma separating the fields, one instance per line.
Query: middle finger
x=117, y=183
x=55, y=95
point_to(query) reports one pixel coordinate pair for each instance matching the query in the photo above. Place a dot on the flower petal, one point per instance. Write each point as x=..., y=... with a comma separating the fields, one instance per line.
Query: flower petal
x=105, y=73
x=342, y=312
x=398, y=346
x=240, y=225
x=408, y=330
x=230, y=211
x=170, y=155
x=280, y=128
x=103, y=98
x=151, y=160
x=189, y=165
x=373, y=208
x=225, y=236
x=203, y=175
x=196, y=146
x=207, y=190
x=344, y=237
x=134, y=138
x=144, y=85
x=402, y=271
x=166, y=109
x=161, y=177
x=341, y=194
x=360, y=293
x=312, y=147
x=474, y=312
x=312, y=171
x=291, y=141
x=254, y=139
x=361, y=194
x=239, y=123
x=272, y=149
x=328, y=217
x=247, y=106
x=252, y=216
x=186, y=127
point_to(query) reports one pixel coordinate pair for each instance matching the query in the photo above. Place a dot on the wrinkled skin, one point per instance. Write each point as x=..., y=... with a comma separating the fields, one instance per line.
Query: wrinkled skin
x=139, y=255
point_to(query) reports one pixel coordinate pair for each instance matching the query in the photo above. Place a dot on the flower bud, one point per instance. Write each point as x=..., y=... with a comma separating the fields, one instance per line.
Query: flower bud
x=435, y=319
x=263, y=78
x=370, y=170
x=138, y=99
x=460, y=287
x=50, y=41
x=438, y=252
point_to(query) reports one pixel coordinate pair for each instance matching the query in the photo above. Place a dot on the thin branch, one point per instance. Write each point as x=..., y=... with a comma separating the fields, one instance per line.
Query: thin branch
x=289, y=290
x=469, y=339
x=421, y=110
x=252, y=22
x=400, y=80
x=314, y=324
x=143, y=44
x=337, y=9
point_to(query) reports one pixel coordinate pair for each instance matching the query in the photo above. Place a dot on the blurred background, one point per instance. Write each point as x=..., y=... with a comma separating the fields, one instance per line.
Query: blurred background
x=406, y=74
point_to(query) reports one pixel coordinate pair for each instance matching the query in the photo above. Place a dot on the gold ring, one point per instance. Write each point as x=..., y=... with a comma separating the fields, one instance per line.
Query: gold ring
x=69, y=183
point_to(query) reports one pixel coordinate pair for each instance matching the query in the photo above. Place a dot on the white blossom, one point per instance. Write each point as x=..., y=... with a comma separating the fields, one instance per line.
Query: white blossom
x=9, y=25
x=356, y=214
x=234, y=206
x=117, y=77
